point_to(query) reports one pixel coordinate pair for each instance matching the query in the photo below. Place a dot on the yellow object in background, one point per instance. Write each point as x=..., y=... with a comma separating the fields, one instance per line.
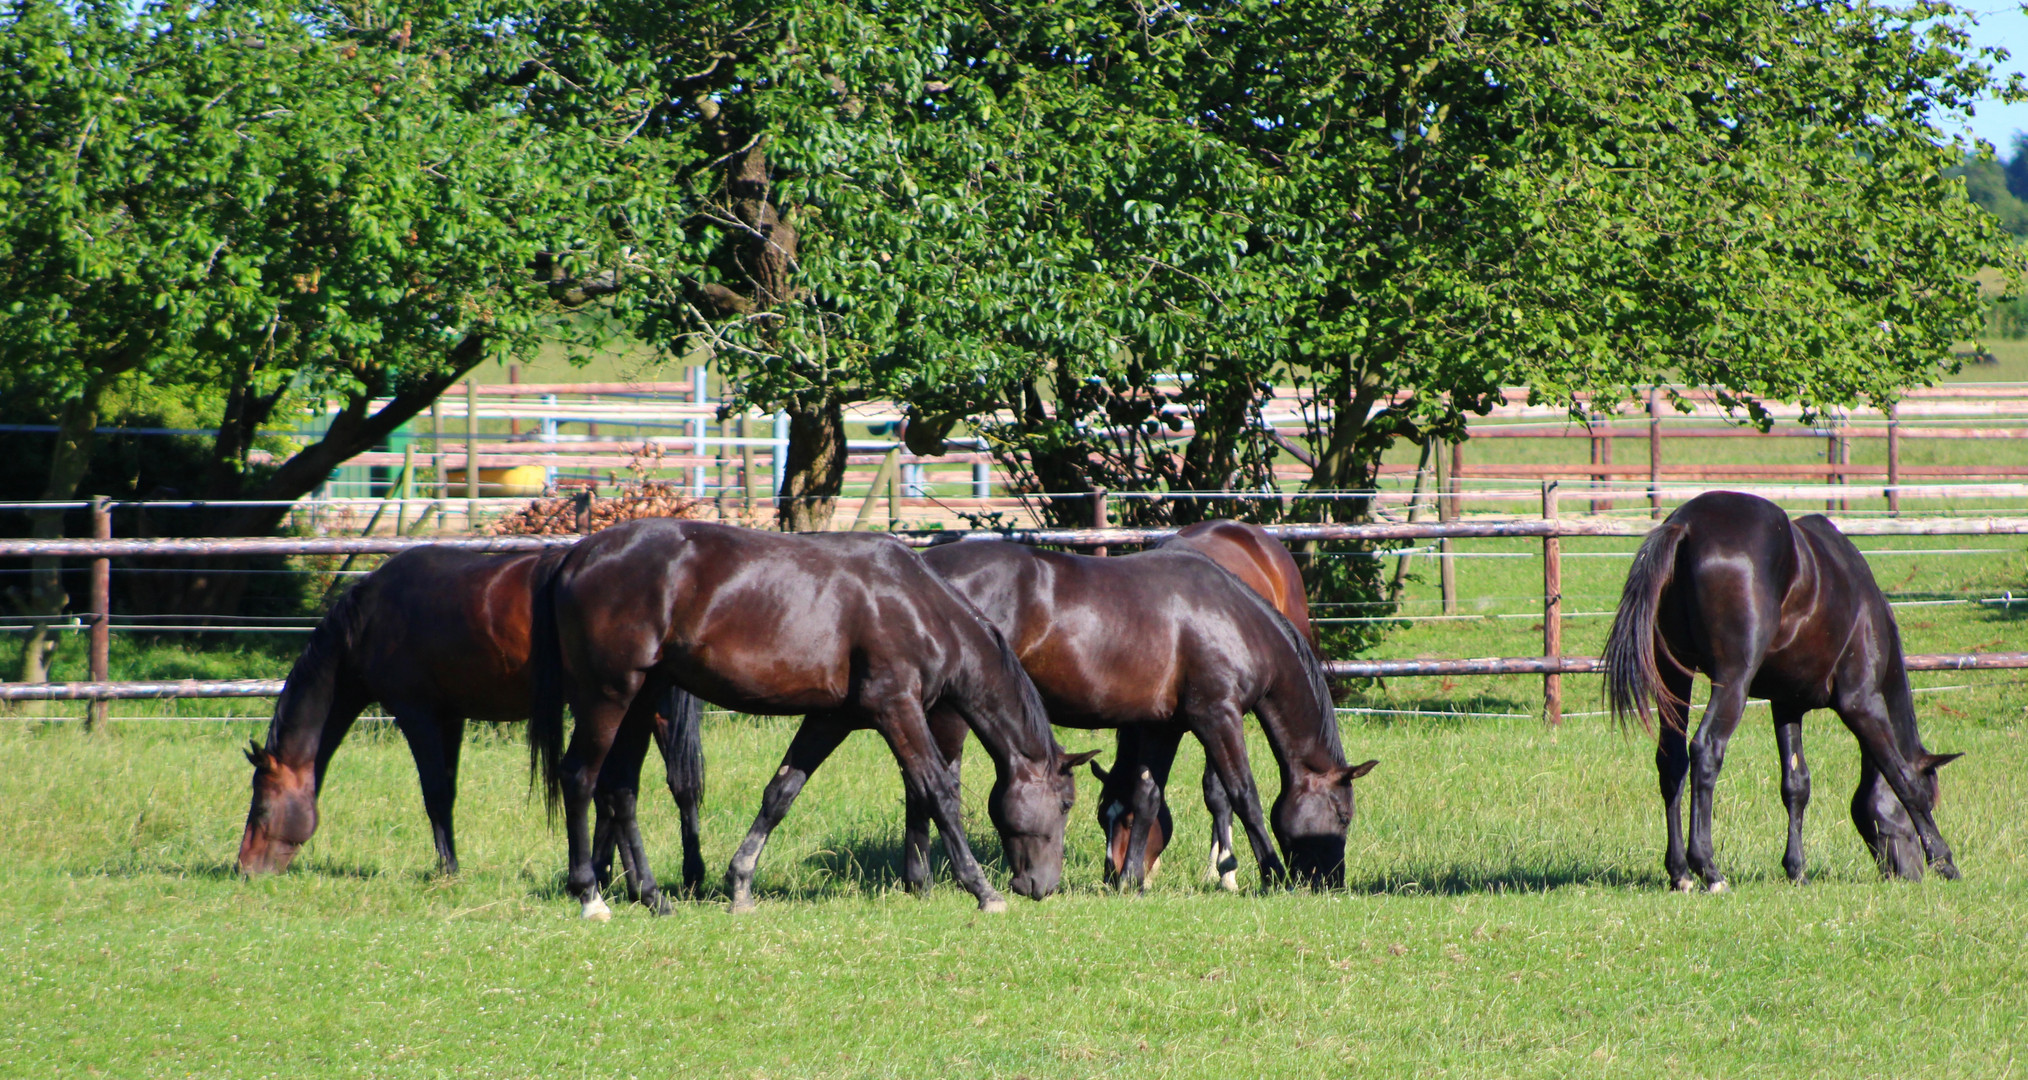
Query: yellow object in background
x=519, y=480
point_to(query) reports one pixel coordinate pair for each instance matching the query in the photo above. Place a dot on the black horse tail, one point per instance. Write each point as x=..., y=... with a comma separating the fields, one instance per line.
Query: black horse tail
x=1632, y=677
x=683, y=753
x=545, y=669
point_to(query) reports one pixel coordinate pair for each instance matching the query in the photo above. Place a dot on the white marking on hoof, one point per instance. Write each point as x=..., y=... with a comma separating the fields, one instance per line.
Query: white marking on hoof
x=993, y=905
x=1229, y=881
x=596, y=910
x=1717, y=887
x=1683, y=884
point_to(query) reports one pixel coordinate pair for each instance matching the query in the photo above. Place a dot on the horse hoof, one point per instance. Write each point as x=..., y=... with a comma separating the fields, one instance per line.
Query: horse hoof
x=1683, y=884
x=1948, y=870
x=1229, y=881
x=1717, y=887
x=742, y=905
x=595, y=909
x=658, y=904
x=993, y=905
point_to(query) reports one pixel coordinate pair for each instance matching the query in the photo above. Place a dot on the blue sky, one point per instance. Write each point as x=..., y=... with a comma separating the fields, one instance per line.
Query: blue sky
x=2005, y=25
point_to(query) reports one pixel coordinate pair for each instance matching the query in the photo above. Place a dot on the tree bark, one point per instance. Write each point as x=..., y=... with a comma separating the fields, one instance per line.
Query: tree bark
x=814, y=473
x=357, y=429
x=45, y=599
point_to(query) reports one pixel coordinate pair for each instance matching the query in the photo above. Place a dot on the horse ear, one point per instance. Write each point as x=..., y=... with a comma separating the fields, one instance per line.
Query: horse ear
x=1930, y=763
x=1072, y=761
x=1099, y=771
x=254, y=753
x=1354, y=772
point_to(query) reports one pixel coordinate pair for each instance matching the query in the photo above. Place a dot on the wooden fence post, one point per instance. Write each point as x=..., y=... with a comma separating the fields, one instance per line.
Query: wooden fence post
x=888, y=465
x=1552, y=610
x=1446, y=511
x=746, y=463
x=1457, y=479
x=437, y=450
x=102, y=612
x=471, y=455
x=1601, y=456
x=1099, y=516
x=1655, y=453
x=407, y=484
x=1893, y=461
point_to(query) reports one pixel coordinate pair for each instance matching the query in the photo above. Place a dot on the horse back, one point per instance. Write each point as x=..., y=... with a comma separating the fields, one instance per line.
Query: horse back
x=764, y=622
x=1118, y=640
x=450, y=629
x=1258, y=560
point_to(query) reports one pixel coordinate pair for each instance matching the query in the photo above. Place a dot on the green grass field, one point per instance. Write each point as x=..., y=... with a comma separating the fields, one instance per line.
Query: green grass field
x=1505, y=913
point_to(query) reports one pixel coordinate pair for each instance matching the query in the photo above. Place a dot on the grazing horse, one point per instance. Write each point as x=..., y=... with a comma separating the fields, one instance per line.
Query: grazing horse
x=1788, y=611
x=1169, y=642
x=852, y=630
x=1140, y=774
x=438, y=636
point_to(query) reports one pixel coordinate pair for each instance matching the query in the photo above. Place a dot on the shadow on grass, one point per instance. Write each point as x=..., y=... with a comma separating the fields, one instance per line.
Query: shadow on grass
x=224, y=870
x=1493, y=881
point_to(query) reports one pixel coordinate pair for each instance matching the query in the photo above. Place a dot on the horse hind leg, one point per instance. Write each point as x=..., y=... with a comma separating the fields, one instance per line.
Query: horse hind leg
x=679, y=734
x=1707, y=760
x=1672, y=767
x=1795, y=771
x=618, y=798
x=1224, y=868
x=818, y=736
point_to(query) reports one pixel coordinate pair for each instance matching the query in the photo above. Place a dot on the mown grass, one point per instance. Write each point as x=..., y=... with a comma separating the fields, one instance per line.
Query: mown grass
x=1504, y=914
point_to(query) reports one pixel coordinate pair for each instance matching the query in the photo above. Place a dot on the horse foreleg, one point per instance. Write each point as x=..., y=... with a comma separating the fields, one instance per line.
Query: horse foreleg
x=1672, y=767
x=1870, y=723
x=435, y=767
x=818, y=736
x=1224, y=866
x=948, y=729
x=1225, y=744
x=926, y=778
x=1788, y=725
x=1147, y=810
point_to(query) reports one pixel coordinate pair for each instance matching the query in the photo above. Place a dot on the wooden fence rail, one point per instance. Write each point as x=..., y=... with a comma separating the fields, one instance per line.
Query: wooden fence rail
x=1550, y=528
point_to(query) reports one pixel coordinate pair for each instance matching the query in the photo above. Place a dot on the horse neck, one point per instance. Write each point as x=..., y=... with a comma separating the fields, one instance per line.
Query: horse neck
x=1301, y=725
x=305, y=711
x=1002, y=705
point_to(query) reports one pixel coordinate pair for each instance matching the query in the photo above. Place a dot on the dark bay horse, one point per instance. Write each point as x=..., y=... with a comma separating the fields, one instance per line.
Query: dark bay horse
x=1169, y=642
x=850, y=629
x=1787, y=611
x=1140, y=773
x=438, y=636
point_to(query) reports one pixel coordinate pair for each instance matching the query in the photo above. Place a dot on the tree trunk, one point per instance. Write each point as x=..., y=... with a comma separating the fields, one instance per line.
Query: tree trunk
x=201, y=590
x=45, y=598
x=814, y=473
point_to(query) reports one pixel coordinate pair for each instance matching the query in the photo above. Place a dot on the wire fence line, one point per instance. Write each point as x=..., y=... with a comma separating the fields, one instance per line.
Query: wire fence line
x=1550, y=529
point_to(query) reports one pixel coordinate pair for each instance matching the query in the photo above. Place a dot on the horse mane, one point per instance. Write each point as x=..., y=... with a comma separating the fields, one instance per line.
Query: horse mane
x=1313, y=671
x=313, y=677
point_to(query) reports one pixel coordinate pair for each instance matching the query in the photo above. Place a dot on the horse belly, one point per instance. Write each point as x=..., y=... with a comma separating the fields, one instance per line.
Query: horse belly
x=770, y=683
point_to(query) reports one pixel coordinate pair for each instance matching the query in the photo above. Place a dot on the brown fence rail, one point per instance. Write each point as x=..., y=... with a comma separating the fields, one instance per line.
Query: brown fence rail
x=1550, y=528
